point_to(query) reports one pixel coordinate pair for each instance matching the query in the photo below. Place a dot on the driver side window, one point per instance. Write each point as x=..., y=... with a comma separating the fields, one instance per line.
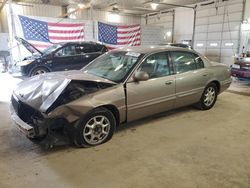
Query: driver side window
x=66, y=51
x=156, y=65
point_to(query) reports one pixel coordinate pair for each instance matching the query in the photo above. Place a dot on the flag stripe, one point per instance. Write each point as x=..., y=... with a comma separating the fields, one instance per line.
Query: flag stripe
x=65, y=25
x=116, y=36
x=122, y=37
x=65, y=35
x=128, y=26
x=65, y=31
x=68, y=38
x=65, y=28
x=129, y=42
x=127, y=32
x=43, y=34
x=111, y=47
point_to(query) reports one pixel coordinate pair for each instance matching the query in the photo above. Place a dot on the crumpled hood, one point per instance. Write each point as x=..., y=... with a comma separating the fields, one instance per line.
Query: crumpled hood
x=41, y=91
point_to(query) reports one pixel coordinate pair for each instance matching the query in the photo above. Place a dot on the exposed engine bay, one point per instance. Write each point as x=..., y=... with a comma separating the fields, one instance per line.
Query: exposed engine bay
x=77, y=89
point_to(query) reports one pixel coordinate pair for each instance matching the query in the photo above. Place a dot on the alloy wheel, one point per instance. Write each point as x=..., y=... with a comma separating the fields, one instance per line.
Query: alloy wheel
x=39, y=72
x=209, y=96
x=96, y=130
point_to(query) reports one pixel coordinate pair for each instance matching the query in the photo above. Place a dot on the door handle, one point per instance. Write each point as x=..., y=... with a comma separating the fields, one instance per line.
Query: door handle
x=169, y=82
x=204, y=74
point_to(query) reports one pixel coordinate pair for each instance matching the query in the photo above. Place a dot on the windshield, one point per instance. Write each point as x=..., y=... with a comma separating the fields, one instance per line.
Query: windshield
x=51, y=48
x=114, y=66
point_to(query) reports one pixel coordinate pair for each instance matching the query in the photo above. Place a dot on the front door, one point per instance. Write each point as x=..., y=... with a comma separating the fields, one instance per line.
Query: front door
x=155, y=95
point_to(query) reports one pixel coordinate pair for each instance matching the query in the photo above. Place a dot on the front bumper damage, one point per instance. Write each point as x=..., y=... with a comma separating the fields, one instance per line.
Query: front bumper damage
x=25, y=128
x=47, y=104
x=52, y=131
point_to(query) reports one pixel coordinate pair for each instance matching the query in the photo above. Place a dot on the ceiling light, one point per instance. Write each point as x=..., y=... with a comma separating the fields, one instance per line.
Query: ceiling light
x=154, y=6
x=199, y=44
x=81, y=6
x=213, y=44
x=71, y=13
x=229, y=44
x=245, y=21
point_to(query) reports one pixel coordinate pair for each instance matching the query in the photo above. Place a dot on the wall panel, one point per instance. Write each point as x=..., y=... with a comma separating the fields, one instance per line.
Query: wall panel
x=217, y=30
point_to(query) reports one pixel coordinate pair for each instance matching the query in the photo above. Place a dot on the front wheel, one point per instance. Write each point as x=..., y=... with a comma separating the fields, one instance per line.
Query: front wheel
x=97, y=127
x=208, y=97
x=39, y=70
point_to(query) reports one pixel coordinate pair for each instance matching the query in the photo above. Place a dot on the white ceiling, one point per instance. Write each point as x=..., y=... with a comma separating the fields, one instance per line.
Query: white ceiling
x=133, y=6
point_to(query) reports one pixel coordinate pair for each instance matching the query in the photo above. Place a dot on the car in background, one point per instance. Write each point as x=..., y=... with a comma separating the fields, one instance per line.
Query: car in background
x=181, y=45
x=241, y=68
x=119, y=87
x=58, y=57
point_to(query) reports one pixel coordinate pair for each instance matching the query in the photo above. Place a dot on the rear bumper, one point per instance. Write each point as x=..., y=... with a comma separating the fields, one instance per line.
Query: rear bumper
x=240, y=73
x=25, y=128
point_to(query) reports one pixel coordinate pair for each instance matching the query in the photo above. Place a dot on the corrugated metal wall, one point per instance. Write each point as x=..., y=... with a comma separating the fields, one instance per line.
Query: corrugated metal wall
x=164, y=21
x=30, y=10
x=102, y=16
x=150, y=34
x=38, y=10
x=217, y=30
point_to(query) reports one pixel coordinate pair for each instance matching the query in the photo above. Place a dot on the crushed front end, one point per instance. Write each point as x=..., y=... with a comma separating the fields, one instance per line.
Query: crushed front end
x=33, y=123
x=44, y=107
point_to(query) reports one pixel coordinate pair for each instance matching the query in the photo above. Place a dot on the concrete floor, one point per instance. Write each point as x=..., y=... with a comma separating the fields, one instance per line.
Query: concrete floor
x=240, y=86
x=182, y=148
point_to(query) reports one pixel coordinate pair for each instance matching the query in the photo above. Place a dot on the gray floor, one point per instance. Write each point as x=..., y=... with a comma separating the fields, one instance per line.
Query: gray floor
x=184, y=148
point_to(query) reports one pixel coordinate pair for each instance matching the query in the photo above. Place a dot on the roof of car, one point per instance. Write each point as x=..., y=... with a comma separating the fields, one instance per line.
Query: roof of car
x=82, y=42
x=150, y=49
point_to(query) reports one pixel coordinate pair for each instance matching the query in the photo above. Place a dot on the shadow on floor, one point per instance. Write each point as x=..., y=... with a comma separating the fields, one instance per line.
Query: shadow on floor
x=239, y=86
x=25, y=146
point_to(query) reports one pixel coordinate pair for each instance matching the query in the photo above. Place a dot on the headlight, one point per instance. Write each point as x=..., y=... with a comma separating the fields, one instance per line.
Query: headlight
x=25, y=62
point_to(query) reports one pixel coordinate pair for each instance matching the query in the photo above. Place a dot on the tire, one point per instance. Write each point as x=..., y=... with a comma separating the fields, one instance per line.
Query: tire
x=90, y=129
x=38, y=70
x=37, y=140
x=208, y=97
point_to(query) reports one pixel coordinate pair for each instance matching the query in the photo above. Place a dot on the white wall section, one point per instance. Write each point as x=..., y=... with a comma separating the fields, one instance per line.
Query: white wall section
x=183, y=26
x=217, y=30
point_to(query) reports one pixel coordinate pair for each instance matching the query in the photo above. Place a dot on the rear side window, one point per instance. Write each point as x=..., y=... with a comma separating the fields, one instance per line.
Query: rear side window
x=100, y=48
x=198, y=61
x=82, y=49
x=183, y=61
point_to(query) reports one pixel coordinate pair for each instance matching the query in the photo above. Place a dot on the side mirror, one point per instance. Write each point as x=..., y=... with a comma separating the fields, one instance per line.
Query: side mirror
x=141, y=76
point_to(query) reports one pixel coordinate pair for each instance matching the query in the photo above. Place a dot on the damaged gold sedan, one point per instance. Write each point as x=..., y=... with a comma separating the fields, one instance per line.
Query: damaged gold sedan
x=118, y=87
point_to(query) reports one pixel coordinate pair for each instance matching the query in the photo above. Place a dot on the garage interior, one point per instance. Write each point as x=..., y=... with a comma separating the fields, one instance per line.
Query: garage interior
x=180, y=148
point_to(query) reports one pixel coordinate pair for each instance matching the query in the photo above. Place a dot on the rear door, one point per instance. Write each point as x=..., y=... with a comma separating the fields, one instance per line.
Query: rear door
x=191, y=77
x=155, y=95
x=87, y=53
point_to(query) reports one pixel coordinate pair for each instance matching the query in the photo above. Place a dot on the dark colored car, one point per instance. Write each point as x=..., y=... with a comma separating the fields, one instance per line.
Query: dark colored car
x=241, y=68
x=59, y=57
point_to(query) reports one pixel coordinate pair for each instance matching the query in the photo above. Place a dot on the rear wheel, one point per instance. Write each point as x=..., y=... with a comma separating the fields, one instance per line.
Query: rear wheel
x=97, y=127
x=39, y=70
x=208, y=97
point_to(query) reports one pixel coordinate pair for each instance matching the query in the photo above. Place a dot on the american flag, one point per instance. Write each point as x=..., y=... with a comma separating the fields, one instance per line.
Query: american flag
x=43, y=34
x=114, y=36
